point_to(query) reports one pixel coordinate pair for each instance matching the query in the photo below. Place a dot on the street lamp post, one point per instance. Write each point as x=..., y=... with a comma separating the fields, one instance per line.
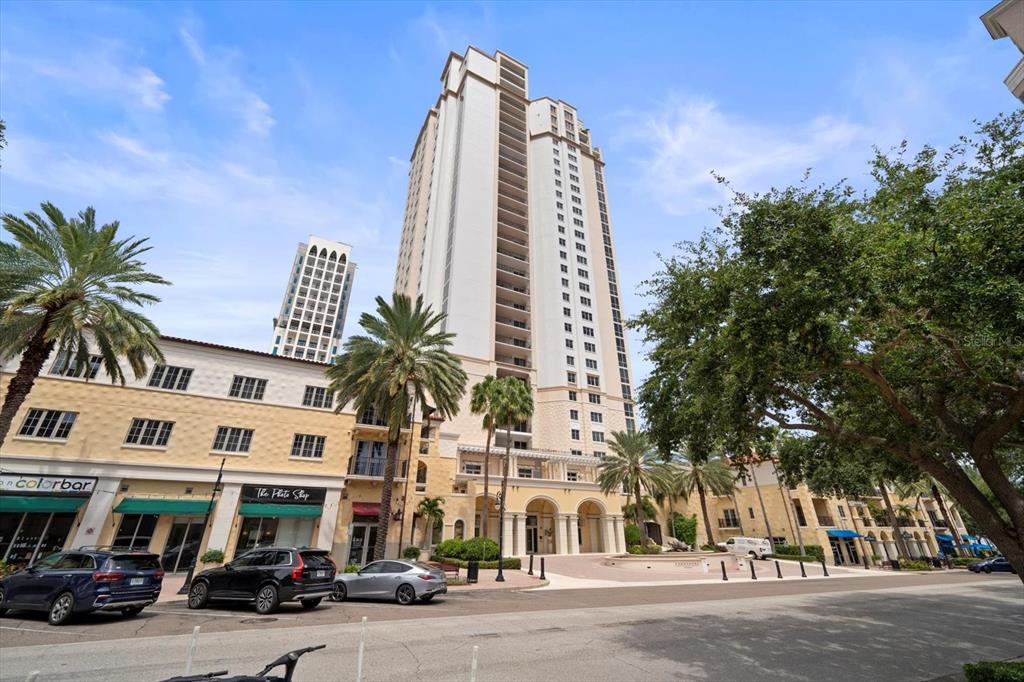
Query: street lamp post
x=206, y=521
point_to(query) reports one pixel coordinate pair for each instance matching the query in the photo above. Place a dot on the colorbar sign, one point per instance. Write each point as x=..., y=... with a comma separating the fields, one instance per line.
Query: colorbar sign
x=30, y=484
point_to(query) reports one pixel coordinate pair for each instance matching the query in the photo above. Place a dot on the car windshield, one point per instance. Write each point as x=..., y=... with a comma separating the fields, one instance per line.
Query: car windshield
x=316, y=559
x=133, y=562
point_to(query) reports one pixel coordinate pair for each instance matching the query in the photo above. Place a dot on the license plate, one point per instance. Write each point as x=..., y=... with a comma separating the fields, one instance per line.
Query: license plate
x=138, y=581
x=321, y=574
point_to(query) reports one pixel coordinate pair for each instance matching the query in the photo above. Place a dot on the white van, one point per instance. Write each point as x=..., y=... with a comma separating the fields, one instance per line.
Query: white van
x=758, y=548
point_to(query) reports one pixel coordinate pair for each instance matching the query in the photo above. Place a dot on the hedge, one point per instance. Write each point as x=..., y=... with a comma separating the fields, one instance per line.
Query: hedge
x=994, y=671
x=794, y=557
x=509, y=562
x=632, y=533
x=965, y=560
x=686, y=529
x=794, y=550
x=640, y=549
x=912, y=565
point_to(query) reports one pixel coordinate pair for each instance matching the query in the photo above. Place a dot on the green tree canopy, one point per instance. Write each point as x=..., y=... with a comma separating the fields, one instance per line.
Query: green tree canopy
x=885, y=324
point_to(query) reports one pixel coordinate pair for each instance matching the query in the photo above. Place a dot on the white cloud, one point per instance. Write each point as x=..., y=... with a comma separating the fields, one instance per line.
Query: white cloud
x=102, y=69
x=222, y=84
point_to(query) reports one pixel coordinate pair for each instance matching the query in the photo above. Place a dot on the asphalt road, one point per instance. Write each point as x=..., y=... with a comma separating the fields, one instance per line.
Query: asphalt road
x=893, y=628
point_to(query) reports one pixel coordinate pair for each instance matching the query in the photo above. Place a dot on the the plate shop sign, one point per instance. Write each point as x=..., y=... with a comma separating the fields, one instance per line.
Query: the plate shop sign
x=282, y=495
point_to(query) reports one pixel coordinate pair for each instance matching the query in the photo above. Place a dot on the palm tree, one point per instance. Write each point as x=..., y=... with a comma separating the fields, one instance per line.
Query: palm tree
x=432, y=511
x=703, y=475
x=512, y=403
x=650, y=511
x=402, y=355
x=62, y=281
x=482, y=402
x=635, y=467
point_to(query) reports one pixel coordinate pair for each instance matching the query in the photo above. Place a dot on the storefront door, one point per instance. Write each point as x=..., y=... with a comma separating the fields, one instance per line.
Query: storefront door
x=28, y=536
x=364, y=537
x=135, y=531
x=837, y=554
x=531, y=534
x=182, y=544
x=851, y=549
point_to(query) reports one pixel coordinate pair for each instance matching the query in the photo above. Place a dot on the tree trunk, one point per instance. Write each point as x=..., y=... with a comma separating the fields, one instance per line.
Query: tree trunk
x=671, y=517
x=704, y=511
x=32, y=360
x=767, y=523
x=384, y=520
x=957, y=540
x=504, y=492
x=739, y=512
x=638, y=513
x=485, y=516
x=786, y=504
x=901, y=544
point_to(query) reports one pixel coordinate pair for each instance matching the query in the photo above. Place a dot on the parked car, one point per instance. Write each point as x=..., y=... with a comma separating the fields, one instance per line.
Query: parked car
x=403, y=581
x=758, y=548
x=267, y=576
x=81, y=581
x=996, y=564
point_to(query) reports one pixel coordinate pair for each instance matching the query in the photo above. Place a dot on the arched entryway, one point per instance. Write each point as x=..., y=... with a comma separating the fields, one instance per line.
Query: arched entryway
x=540, y=526
x=492, y=513
x=591, y=537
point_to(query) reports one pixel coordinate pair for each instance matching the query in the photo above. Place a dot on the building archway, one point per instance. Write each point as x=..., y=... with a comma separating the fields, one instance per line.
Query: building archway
x=888, y=545
x=459, y=529
x=540, y=526
x=591, y=537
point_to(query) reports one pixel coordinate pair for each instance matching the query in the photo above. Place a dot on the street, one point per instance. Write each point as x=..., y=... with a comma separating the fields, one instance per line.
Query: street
x=909, y=627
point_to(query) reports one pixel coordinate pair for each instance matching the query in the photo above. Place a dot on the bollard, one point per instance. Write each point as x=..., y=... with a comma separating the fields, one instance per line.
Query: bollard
x=824, y=567
x=472, y=667
x=753, y=574
x=542, y=576
x=866, y=567
x=362, y=647
x=530, y=572
x=803, y=573
x=778, y=569
x=192, y=650
x=724, y=576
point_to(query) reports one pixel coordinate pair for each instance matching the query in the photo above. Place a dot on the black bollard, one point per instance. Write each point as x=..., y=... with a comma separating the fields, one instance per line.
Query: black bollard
x=866, y=565
x=530, y=572
x=753, y=574
x=803, y=572
x=542, y=576
x=724, y=576
x=824, y=567
x=778, y=570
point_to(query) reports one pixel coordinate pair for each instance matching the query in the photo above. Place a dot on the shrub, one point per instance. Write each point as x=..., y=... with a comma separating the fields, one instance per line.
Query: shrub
x=994, y=671
x=912, y=565
x=632, y=533
x=452, y=548
x=964, y=560
x=508, y=562
x=795, y=557
x=686, y=529
x=635, y=549
x=212, y=556
x=480, y=549
x=711, y=548
x=411, y=553
x=652, y=548
x=6, y=568
x=351, y=568
x=814, y=551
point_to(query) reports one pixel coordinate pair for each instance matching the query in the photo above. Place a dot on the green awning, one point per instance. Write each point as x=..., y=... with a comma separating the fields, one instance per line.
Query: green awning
x=40, y=503
x=156, y=505
x=280, y=510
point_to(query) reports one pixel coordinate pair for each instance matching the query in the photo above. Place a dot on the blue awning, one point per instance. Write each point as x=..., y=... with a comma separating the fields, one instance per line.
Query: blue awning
x=843, y=534
x=943, y=537
x=977, y=546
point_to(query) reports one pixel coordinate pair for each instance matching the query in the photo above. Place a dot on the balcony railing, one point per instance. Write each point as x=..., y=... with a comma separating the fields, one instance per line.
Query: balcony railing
x=825, y=520
x=940, y=523
x=728, y=523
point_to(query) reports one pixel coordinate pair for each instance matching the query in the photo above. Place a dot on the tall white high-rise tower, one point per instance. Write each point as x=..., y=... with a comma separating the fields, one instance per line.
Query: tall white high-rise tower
x=507, y=231
x=315, y=301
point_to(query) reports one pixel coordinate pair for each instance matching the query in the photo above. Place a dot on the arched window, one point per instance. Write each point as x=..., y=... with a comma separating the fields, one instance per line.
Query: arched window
x=421, y=477
x=343, y=259
x=460, y=529
x=323, y=253
x=312, y=251
x=333, y=256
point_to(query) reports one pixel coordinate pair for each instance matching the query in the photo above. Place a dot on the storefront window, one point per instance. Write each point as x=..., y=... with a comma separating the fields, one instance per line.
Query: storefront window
x=256, y=531
x=135, y=531
x=27, y=537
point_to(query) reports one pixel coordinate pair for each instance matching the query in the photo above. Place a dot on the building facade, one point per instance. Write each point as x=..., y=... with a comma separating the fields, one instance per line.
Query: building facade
x=1006, y=20
x=315, y=301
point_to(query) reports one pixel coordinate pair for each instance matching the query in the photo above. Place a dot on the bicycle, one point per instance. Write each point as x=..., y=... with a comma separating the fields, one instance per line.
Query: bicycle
x=288, y=660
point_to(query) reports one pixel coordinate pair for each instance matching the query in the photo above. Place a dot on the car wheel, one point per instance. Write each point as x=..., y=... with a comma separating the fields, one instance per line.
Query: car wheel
x=310, y=604
x=266, y=599
x=338, y=593
x=988, y=569
x=427, y=597
x=131, y=612
x=3, y=600
x=405, y=595
x=61, y=609
x=198, y=595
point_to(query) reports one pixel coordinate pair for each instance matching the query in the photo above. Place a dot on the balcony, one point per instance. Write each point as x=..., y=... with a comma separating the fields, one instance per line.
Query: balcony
x=513, y=361
x=522, y=307
x=728, y=523
x=515, y=272
x=825, y=520
x=940, y=523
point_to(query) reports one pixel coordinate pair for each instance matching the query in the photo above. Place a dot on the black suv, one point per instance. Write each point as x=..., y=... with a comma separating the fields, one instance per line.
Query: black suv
x=268, y=576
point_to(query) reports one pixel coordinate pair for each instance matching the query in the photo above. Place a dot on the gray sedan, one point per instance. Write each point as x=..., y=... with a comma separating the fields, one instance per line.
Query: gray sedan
x=403, y=581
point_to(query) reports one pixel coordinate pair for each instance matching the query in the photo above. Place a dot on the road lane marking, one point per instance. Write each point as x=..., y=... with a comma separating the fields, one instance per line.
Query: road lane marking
x=49, y=632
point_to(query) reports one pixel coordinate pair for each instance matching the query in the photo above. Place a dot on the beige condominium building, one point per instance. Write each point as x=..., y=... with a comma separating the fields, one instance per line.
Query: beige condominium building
x=507, y=231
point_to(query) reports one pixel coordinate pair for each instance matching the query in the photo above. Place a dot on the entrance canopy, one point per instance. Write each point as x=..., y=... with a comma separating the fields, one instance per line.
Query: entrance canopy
x=943, y=537
x=150, y=505
x=844, y=534
x=45, y=504
x=366, y=508
x=280, y=510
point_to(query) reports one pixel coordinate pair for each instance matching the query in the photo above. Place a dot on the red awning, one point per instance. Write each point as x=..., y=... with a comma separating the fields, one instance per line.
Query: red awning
x=366, y=508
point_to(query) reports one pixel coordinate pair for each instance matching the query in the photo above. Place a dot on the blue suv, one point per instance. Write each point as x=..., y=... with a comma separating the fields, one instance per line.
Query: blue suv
x=81, y=581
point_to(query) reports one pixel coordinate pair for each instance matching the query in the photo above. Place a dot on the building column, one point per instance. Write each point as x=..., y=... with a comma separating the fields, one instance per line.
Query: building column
x=608, y=533
x=620, y=535
x=572, y=521
x=96, y=512
x=328, y=520
x=520, y=534
x=223, y=517
x=506, y=533
x=560, y=538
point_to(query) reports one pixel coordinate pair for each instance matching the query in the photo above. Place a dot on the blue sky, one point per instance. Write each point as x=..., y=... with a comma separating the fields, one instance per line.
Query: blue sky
x=228, y=132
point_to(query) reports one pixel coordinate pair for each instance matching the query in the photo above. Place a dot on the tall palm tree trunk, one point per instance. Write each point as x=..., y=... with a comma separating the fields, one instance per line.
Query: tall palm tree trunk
x=504, y=492
x=704, y=511
x=485, y=516
x=764, y=512
x=957, y=540
x=32, y=360
x=739, y=514
x=785, y=504
x=638, y=513
x=901, y=545
x=384, y=519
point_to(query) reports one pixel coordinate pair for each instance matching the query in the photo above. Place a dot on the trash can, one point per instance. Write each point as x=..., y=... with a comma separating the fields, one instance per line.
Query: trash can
x=473, y=572
x=895, y=563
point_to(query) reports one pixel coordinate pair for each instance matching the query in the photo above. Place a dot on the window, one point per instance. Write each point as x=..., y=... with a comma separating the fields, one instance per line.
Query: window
x=574, y=434
x=561, y=242
x=472, y=468
x=525, y=472
x=577, y=453
x=584, y=287
x=577, y=222
x=596, y=418
x=232, y=439
x=308, y=447
x=842, y=511
x=567, y=312
x=563, y=255
x=576, y=211
x=588, y=316
x=594, y=398
x=599, y=454
x=565, y=282
x=750, y=510
x=170, y=378
x=247, y=388
x=582, y=260
x=66, y=366
x=591, y=364
x=597, y=436
x=568, y=327
x=561, y=229
x=582, y=273
x=566, y=297
x=565, y=268
x=731, y=518
x=579, y=234
x=570, y=360
x=574, y=415
x=593, y=380
x=135, y=532
x=317, y=396
x=572, y=476
x=570, y=377
x=588, y=331
x=149, y=432
x=574, y=188
x=589, y=347
x=568, y=343
x=47, y=424
x=558, y=193
x=572, y=395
